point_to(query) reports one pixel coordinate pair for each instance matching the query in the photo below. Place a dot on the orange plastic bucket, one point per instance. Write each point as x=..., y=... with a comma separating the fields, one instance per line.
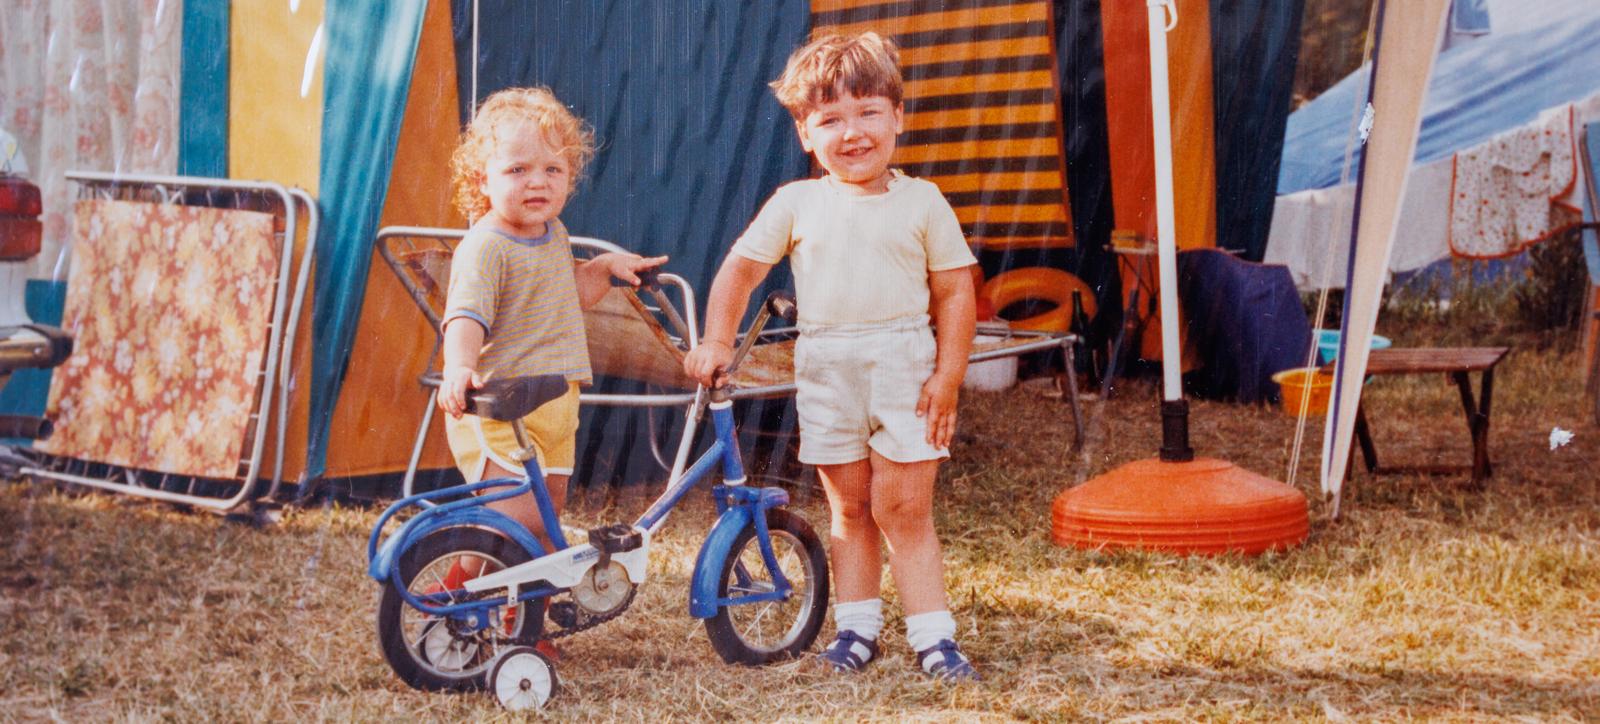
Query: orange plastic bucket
x=1293, y=383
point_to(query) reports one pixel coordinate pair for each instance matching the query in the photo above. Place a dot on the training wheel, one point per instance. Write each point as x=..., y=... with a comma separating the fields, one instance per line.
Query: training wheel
x=522, y=679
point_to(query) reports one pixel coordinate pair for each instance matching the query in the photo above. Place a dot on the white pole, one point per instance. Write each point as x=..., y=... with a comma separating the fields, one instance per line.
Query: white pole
x=1166, y=235
x=472, y=104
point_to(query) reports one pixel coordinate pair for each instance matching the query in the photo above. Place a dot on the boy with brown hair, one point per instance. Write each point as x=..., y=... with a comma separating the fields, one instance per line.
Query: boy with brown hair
x=874, y=254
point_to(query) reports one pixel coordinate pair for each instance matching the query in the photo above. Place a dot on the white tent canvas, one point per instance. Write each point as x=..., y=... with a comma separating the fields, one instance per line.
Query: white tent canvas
x=1537, y=60
x=1406, y=52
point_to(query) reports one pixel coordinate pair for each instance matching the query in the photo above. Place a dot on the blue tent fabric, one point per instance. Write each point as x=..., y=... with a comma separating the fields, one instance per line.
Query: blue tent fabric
x=1247, y=321
x=691, y=144
x=1254, y=45
x=1591, y=245
x=1087, y=139
x=1479, y=88
x=372, y=47
x=28, y=390
x=691, y=140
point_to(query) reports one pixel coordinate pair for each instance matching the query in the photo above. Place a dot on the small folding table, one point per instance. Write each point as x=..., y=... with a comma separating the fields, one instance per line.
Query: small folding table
x=1456, y=363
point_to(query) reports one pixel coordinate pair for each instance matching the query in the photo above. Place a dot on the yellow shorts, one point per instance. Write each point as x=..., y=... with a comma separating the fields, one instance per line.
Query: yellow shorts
x=552, y=430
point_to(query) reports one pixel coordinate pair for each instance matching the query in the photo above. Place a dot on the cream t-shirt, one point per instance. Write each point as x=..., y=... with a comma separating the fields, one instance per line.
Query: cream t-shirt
x=858, y=259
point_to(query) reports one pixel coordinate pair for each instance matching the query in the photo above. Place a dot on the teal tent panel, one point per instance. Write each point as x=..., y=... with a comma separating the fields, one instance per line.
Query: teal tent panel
x=28, y=390
x=203, y=91
x=372, y=47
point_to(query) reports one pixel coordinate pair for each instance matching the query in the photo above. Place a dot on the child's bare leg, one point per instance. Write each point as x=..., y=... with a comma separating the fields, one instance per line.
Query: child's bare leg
x=854, y=548
x=524, y=508
x=902, y=503
x=857, y=558
x=902, y=506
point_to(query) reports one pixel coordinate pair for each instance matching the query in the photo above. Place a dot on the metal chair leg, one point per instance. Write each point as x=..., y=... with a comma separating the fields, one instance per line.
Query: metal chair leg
x=416, y=448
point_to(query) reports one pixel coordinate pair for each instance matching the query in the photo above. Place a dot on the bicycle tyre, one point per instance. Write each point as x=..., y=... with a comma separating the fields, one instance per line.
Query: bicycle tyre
x=765, y=632
x=422, y=649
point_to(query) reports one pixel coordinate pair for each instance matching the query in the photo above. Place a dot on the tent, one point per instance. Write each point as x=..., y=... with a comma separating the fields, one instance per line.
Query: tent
x=359, y=102
x=1497, y=165
x=1535, y=56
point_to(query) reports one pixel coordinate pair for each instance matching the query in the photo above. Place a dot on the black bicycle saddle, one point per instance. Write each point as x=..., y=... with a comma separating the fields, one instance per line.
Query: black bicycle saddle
x=512, y=398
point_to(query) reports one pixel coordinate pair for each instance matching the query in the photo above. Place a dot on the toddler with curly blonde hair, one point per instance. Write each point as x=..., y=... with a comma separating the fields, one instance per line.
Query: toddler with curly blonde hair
x=516, y=297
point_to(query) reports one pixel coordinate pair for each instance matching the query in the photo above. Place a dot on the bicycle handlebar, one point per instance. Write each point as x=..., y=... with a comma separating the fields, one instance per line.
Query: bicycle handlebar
x=781, y=305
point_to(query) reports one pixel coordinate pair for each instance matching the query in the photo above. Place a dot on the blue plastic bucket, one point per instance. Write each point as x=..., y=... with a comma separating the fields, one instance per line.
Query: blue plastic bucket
x=1328, y=342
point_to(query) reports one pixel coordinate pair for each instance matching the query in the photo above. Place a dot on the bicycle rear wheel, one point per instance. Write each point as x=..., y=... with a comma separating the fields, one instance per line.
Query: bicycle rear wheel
x=435, y=653
x=763, y=632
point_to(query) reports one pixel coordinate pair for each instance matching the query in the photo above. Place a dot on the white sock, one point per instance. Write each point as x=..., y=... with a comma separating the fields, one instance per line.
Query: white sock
x=926, y=629
x=865, y=618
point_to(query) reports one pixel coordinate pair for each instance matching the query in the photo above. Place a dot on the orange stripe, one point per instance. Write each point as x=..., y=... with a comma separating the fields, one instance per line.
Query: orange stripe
x=1193, y=159
x=1126, y=27
x=963, y=84
x=827, y=6
x=1029, y=242
x=977, y=149
x=1010, y=48
x=994, y=116
x=943, y=21
x=1004, y=214
x=997, y=181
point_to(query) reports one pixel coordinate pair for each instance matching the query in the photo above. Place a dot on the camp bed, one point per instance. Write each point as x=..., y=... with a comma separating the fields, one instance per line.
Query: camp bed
x=125, y=453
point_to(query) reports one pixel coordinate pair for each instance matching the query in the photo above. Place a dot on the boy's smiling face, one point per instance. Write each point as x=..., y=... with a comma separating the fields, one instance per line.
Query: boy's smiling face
x=854, y=138
x=527, y=180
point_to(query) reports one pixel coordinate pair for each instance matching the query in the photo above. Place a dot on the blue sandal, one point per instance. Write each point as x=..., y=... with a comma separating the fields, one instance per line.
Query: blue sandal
x=845, y=653
x=944, y=661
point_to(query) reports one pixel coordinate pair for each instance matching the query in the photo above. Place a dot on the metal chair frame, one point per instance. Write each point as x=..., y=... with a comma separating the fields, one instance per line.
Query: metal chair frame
x=288, y=304
x=682, y=324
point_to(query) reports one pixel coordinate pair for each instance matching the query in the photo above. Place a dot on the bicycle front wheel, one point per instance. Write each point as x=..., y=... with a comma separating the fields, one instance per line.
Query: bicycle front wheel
x=765, y=631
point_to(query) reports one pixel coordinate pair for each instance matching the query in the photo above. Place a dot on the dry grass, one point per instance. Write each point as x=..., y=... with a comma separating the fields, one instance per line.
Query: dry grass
x=1427, y=602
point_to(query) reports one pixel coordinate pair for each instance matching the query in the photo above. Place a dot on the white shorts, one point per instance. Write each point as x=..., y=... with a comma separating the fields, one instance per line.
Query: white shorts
x=857, y=387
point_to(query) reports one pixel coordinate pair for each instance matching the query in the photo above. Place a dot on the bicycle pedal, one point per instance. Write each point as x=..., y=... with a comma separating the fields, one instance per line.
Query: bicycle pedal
x=563, y=614
x=616, y=538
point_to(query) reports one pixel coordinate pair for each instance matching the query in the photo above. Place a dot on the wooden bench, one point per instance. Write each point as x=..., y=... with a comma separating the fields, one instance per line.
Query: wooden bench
x=1456, y=363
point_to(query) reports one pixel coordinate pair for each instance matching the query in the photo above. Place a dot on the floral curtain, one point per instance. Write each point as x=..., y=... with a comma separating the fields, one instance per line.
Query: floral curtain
x=88, y=85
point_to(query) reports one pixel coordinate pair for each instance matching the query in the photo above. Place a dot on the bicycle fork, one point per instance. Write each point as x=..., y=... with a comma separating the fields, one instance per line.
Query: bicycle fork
x=739, y=506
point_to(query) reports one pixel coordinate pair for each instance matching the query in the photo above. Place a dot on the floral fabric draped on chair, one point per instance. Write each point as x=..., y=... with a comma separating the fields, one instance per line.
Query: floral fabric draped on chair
x=170, y=307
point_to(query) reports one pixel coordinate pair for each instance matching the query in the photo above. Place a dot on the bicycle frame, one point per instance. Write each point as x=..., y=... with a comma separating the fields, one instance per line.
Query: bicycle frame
x=564, y=567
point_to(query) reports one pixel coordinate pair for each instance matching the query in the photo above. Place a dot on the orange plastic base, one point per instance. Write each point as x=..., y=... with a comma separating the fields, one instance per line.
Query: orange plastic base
x=1205, y=506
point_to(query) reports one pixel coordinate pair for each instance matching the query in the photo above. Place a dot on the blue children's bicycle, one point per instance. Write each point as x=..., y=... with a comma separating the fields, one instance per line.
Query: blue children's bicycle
x=760, y=581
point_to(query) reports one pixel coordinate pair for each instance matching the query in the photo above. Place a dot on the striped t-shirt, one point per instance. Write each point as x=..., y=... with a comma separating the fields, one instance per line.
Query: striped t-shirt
x=524, y=293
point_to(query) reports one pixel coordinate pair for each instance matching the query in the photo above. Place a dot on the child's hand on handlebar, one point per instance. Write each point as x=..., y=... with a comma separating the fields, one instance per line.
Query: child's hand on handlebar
x=626, y=267
x=453, y=389
x=706, y=362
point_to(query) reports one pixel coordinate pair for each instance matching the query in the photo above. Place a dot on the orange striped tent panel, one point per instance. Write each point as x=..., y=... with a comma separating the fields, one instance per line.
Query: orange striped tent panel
x=983, y=112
